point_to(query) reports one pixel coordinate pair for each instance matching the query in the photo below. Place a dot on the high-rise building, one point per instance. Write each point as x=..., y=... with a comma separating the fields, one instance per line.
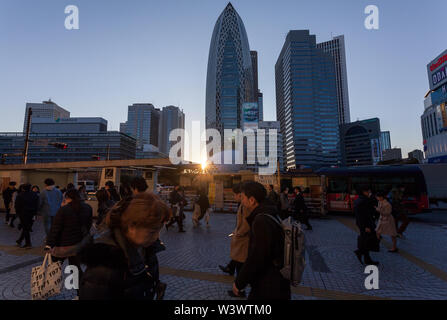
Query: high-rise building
x=143, y=121
x=416, y=154
x=258, y=93
x=306, y=102
x=360, y=143
x=274, y=125
x=171, y=118
x=385, y=140
x=230, y=81
x=47, y=110
x=336, y=47
x=434, y=118
x=392, y=154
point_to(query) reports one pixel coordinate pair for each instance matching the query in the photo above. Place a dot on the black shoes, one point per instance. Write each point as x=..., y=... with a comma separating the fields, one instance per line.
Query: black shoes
x=19, y=243
x=226, y=270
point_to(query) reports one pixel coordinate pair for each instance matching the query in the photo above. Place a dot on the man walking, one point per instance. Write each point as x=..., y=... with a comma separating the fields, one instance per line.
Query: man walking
x=273, y=196
x=7, y=200
x=177, y=202
x=300, y=209
x=50, y=201
x=364, y=216
x=265, y=256
x=26, y=206
x=396, y=197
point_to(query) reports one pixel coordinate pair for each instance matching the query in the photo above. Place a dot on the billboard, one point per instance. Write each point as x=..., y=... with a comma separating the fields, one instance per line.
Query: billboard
x=437, y=71
x=250, y=115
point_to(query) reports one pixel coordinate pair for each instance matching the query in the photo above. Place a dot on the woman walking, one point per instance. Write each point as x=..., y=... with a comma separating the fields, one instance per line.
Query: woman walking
x=387, y=225
x=122, y=262
x=71, y=224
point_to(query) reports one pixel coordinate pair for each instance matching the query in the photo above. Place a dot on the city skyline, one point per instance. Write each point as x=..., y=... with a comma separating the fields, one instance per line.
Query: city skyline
x=101, y=79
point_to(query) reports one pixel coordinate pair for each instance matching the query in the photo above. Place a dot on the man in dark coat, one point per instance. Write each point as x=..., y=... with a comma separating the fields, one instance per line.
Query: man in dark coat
x=300, y=209
x=7, y=199
x=265, y=257
x=177, y=202
x=364, y=216
x=27, y=204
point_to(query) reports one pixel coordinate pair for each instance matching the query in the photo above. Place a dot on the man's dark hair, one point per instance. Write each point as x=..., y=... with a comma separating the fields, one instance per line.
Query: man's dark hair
x=139, y=183
x=298, y=188
x=49, y=182
x=362, y=188
x=237, y=188
x=26, y=187
x=271, y=187
x=381, y=194
x=70, y=186
x=110, y=184
x=255, y=190
x=13, y=183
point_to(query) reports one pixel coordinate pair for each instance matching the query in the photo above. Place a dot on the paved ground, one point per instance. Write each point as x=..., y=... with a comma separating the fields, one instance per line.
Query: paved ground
x=190, y=264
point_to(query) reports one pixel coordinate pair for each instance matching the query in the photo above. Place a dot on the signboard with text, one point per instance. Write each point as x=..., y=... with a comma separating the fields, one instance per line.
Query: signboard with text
x=437, y=71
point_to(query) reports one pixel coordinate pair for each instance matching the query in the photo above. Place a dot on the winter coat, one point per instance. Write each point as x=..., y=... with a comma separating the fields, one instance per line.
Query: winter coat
x=364, y=213
x=49, y=202
x=285, y=204
x=386, y=225
x=265, y=258
x=26, y=205
x=69, y=227
x=7, y=195
x=117, y=270
x=241, y=237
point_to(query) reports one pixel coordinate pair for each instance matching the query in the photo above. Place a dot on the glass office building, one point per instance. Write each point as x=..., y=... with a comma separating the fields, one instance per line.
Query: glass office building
x=230, y=81
x=110, y=145
x=306, y=103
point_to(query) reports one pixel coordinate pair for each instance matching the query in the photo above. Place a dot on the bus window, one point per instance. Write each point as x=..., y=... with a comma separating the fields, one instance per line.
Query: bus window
x=337, y=185
x=357, y=182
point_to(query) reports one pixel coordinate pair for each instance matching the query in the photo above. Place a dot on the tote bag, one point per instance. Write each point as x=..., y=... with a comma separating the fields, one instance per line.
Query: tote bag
x=46, y=279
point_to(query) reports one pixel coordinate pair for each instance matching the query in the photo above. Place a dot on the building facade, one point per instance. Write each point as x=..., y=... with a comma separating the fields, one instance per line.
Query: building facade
x=81, y=146
x=416, y=154
x=230, y=80
x=392, y=154
x=360, y=143
x=143, y=121
x=274, y=125
x=434, y=118
x=69, y=125
x=171, y=118
x=385, y=140
x=336, y=47
x=306, y=102
x=47, y=111
x=258, y=93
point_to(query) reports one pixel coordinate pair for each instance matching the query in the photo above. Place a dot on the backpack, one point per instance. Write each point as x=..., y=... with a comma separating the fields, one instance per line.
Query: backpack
x=294, y=250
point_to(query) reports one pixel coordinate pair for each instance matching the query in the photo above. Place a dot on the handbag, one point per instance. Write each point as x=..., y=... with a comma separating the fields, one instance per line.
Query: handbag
x=46, y=279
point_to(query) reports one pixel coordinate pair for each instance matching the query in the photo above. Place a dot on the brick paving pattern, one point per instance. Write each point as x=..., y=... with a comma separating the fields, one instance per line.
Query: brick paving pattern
x=192, y=258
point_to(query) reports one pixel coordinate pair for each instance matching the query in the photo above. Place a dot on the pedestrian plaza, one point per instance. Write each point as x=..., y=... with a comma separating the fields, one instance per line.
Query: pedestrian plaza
x=189, y=265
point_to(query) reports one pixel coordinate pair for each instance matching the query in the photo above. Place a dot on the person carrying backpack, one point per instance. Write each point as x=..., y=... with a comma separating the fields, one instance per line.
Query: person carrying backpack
x=265, y=260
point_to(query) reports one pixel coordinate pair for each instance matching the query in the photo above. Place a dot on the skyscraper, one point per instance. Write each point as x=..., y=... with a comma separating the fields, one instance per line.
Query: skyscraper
x=258, y=93
x=230, y=81
x=385, y=140
x=336, y=47
x=142, y=124
x=47, y=110
x=171, y=118
x=306, y=102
